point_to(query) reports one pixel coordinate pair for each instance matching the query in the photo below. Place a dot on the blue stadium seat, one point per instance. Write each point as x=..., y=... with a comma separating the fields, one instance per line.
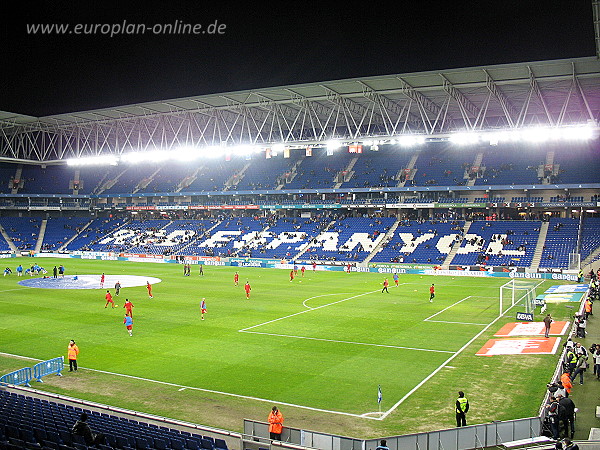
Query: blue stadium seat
x=220, y=444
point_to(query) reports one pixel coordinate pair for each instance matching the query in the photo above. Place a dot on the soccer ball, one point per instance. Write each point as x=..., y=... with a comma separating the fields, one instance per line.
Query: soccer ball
x=116, y=306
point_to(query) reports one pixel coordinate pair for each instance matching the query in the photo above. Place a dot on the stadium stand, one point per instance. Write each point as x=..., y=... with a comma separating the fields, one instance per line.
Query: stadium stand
x=442, y=165
x=60, y=230
x=35, y=423
x=509, y=164
x=561, y=240
x=319, y=171
x=23, y=231
x=349, y=239
x=378, y=168
x=590, y=236
x=46, y=180
x=87, y=239
x=419, y=242
x=499, y=243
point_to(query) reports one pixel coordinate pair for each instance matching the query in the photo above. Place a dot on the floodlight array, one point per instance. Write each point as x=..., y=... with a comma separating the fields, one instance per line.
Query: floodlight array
x=188, y=153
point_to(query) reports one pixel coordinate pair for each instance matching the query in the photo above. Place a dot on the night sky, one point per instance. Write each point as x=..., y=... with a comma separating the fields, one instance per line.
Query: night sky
x=263, y=45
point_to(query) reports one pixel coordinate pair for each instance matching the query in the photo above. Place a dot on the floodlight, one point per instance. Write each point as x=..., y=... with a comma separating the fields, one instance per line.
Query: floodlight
x=333, y=144
x=464, y=138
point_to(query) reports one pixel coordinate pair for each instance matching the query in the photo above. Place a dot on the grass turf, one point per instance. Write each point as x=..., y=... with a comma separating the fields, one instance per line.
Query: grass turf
x=319, y=345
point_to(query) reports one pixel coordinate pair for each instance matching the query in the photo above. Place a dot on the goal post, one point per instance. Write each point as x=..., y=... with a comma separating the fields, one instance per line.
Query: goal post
x=518, y=292
x=574, y=261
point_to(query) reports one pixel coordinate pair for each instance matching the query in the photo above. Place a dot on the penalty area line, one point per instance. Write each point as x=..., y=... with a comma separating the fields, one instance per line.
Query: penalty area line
x=349, y=342
x=447, y=307
x=440, y=367
x=210, y=391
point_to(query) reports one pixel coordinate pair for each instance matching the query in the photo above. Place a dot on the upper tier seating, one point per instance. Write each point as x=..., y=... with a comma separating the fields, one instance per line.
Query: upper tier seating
x=378, y=168
x=577, y=163
x=48, y=180
x=265, y=174
x=441, y=164
x=511, y=164
x=319, y=171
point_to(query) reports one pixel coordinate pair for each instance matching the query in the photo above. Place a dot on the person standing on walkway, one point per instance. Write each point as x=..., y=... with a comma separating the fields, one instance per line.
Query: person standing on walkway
x=547, y=322
x=275, y=424
x=462, y=408
x=72, y=352
x=566, y=415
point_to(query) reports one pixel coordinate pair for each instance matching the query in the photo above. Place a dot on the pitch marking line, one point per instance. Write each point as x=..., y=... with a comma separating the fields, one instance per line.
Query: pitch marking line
x=459, y=323
x=440, y=367
x=317, y=296
x=350, y=342
x=307, y=310
x=211, y=391
x=447, y=307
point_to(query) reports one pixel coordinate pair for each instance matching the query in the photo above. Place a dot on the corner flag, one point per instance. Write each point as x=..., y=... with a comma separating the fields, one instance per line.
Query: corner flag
x=379, y=396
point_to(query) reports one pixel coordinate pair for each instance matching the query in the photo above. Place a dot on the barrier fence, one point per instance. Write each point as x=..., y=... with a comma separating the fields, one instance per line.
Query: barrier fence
x=25, y=375
x=49, y=367
x=462, y=438
x=18, y=377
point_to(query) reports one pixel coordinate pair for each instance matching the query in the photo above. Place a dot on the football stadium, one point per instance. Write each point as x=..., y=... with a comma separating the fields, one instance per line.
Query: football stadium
x=410, y=258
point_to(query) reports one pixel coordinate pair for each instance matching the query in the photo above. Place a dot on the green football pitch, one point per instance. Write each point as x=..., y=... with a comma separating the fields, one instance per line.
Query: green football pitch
x=319, y=346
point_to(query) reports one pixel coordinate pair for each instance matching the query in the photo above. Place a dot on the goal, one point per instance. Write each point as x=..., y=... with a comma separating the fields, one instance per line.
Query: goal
x=518, y=293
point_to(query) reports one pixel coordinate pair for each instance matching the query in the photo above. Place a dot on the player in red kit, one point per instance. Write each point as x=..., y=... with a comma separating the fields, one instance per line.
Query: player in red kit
x=128, y=307
x=102, y=280
x=302, y=270
x=236, y=279
x=386, y=283
x=203, y=307
x=109, y=299
x=247, y=288
x=431, y=293
x=149, y=287
x=314, y=266
x=291, y=276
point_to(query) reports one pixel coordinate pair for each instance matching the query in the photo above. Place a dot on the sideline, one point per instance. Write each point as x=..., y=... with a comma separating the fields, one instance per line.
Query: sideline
x=181, y=387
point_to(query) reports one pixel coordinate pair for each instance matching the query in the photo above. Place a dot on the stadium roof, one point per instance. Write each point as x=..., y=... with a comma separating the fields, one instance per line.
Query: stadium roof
x=435, y=103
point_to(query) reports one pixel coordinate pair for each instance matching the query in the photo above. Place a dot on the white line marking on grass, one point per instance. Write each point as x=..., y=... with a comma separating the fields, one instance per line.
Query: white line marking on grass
x=247, y=397
x=307, y=310
x=460, y=323
x=317, y=296
x=440, y=367
x=349, y=342
x=447, y=307
x=17, y=289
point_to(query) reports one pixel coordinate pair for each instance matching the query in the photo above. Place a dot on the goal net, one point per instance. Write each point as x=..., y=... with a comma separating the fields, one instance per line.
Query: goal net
x=518, y=293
